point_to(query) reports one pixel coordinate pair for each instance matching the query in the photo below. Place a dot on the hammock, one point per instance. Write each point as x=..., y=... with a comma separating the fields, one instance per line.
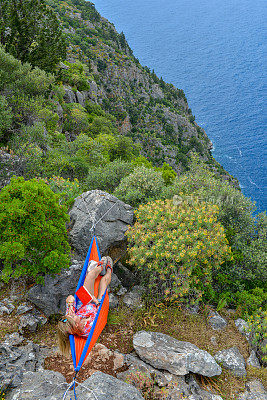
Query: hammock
x=81, y=347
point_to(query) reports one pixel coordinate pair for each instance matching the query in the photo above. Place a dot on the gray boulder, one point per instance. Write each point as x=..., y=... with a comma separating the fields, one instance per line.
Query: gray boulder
x=216, y=321
x=109, y=388
x=127, y=278
x=51, y=297
x=30, y=322
x=243, y=327
x=253, y=360
x=23, y=309
x=43, y=385
x=69, y=95
x=254, y=391
x=6, y=307
x=133, y=299
x=233, y=360
x=13, y=339
x=89, y=208
x=164, y=352
x=16, y=361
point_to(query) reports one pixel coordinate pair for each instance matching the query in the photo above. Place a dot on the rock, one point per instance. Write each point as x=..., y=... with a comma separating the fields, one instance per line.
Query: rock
x=16, y=361
x=164, y=352
x=3, y=309
x=23, y=309
x=197, y=393
x=216, y=321
x=255, y=391
x=43, y=385
x=90, y=207
x=30, y=322
x=127, y=278
x=233, y=360
x=80, y=98
x=243, y=327
x=51, y=297
x=115, y=284
x=6, y=306
x=135, y=364
x=69, y=95
x=107, y=387
x=14, y=339
x=133, y=299
x=113, y=301
x=253, y=360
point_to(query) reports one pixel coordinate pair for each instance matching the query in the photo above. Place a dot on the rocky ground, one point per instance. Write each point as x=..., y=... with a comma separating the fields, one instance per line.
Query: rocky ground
x=145, y=351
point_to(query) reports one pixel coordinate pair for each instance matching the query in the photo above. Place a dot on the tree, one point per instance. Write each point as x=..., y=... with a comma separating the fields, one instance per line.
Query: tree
x=30, y=31
x=33, y=236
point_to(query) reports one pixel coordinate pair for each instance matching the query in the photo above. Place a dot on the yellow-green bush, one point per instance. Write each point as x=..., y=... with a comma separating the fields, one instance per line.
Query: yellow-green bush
x=176, y=247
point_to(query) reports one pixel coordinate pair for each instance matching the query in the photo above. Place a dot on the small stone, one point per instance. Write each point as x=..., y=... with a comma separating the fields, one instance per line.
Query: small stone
x=3, y=310
x=216, y=321
x=13, y=339
x=113, y=301
x=233, y=360
x=243, y=327
x=213, y=340
x=122, y=291
x=23, y=309
x=253, y=360
x=133, y=299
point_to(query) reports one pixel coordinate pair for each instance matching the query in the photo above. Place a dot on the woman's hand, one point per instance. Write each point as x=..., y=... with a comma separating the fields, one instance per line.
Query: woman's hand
x=95, y=300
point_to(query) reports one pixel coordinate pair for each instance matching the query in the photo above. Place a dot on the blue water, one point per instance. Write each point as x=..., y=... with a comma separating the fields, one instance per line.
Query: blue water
x=215, y=51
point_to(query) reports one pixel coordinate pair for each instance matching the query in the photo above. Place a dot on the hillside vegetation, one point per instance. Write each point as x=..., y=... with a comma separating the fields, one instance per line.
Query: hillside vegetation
x=94, y=118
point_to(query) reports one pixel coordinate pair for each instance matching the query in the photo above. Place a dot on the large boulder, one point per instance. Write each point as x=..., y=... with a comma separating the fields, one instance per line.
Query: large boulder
x=15, y=361
x=114, y=217
x=50, y=297
x=233, y=360
x=50, y=385
x=164, y=352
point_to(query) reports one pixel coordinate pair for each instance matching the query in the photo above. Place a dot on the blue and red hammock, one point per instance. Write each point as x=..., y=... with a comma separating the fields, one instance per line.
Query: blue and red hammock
x=81, y=347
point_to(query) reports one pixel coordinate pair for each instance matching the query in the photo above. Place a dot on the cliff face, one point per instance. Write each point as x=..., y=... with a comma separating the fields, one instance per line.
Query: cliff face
x=152, y=112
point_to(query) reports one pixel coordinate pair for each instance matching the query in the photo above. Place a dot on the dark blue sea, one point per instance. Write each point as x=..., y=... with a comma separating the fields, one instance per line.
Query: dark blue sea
x=215, y=51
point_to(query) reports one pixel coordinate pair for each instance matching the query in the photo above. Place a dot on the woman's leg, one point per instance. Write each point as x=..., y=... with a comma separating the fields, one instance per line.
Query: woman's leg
x=105, y=281
x=91, y=277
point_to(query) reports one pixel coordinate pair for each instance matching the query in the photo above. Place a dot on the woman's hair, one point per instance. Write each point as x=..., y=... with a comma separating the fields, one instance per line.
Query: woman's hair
x=64, y=329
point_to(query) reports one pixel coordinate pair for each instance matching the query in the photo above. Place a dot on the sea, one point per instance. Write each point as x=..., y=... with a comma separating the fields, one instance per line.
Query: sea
x=215, y=50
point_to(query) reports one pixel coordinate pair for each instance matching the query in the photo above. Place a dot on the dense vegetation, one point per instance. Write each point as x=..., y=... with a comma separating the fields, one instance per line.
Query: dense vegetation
x=99, y=120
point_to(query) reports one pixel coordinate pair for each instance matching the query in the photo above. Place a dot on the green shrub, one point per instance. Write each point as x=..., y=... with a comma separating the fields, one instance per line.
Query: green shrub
x=168, y=173
x=75, y=75
x=6, y=117
x=76, y=119
x=176, y=247
x=251, y=301
x=33, y=234
x=258, y=328
x=109, y=176
x=141, y=186
x=118, y=146
x=68, y=190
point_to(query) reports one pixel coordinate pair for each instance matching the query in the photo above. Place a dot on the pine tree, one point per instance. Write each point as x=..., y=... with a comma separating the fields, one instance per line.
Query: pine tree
x=30, y=31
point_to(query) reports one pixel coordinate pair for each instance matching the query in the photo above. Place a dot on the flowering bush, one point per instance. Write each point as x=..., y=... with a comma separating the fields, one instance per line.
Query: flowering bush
x=68, y=190
x=141, y=186
x=176, y=247
x=33, y=236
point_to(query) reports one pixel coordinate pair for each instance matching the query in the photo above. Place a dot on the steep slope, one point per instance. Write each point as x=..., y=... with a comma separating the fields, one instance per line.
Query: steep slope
x=152, y=112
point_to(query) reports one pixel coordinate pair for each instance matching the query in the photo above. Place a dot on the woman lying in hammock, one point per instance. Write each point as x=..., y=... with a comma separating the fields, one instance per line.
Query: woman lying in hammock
x=79, y=321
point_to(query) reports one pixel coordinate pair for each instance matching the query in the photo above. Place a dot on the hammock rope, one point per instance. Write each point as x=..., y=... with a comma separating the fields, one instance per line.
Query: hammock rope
x=92, y=229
